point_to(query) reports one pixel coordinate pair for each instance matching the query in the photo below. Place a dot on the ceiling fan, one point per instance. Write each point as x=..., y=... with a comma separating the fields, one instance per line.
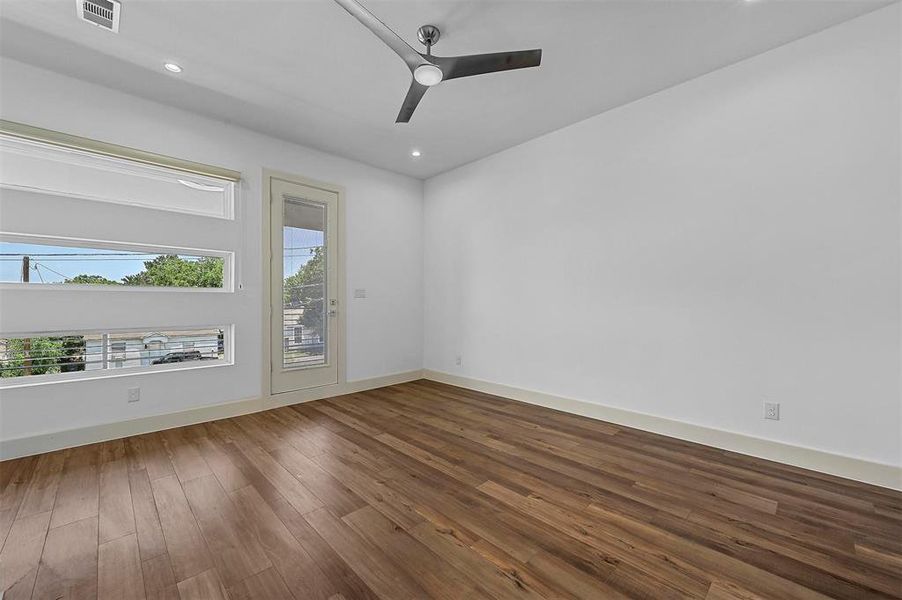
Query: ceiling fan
x=429, y=70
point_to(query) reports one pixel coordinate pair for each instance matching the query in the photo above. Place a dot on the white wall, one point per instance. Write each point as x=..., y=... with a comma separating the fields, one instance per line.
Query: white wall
x=383, y=249
x=730, y=240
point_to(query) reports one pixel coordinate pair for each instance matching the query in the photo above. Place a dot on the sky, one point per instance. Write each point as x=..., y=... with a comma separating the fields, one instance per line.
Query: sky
x=298, y=248
x=55, y=269
x=115, y=264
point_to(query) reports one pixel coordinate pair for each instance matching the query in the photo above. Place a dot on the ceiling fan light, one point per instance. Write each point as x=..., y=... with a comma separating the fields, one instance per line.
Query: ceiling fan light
x=427, y=75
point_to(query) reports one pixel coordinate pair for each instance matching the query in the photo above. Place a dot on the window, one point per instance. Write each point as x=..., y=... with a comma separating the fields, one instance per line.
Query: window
x=103, y=249
x=34, y=165
x=304, y=285
x=114, y=265
x=68, y=355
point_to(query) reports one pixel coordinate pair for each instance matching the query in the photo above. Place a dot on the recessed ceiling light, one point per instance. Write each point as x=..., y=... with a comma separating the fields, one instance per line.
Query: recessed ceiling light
x=172, y=67
x=415, y=153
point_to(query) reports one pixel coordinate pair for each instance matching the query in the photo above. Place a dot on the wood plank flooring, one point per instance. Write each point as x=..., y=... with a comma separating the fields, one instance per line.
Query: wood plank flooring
x=424, y=490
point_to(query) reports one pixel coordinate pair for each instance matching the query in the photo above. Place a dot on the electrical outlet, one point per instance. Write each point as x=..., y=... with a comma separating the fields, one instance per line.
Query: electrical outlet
x=134, y=394
x=457, y=360
x=772, y=411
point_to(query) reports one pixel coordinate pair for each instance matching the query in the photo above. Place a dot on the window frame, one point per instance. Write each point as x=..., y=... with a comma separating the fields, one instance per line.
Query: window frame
x=227, y=256
x=143, y=164
x=228, y=358
x=154, y=165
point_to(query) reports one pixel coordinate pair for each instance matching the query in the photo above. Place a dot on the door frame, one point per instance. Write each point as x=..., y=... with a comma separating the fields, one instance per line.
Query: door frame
x=294, y=396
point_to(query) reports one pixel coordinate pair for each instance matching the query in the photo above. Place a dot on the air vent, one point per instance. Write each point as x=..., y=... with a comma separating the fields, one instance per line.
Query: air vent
x=103, y=13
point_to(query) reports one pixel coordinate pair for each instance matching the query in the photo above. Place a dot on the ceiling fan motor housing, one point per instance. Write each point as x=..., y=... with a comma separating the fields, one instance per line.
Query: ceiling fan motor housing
x=428, y=35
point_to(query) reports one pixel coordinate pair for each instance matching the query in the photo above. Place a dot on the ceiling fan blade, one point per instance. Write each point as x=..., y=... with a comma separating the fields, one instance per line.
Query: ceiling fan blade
x=477, y=64
x=414, y=95
x=383, y=32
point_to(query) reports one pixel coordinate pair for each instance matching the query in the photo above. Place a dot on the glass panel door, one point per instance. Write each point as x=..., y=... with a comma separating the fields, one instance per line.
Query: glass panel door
x=304, y=299
x=304, y=284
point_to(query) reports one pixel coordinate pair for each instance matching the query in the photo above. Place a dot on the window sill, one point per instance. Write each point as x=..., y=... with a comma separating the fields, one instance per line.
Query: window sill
x=55, y=378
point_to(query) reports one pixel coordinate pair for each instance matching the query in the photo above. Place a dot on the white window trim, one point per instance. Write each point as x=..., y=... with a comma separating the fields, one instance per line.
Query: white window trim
x=228, y=268
x=123, y=159
x=74, y=142
x=228, y=359
x=228, y=213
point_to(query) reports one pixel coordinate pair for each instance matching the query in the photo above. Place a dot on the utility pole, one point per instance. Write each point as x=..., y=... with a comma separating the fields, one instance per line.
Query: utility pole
x=26, y=343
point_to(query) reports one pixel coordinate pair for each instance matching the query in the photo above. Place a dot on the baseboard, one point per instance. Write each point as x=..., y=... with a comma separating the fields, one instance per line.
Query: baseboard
x=69, y=438
x=817, y=460
x=349, y=387
x=808, y=458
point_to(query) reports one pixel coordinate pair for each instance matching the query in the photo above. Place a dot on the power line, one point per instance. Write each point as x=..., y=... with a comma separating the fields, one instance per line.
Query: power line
x=79, y=259
x=101, y=258
x=49, y=269
x=83, y=254
x=88, y=256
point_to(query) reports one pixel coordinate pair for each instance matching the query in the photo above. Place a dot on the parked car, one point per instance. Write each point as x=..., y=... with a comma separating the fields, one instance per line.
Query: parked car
x=176, y=357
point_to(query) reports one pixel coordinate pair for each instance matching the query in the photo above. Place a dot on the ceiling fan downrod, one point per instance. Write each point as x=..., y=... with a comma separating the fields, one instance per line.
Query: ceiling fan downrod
x=428, y=36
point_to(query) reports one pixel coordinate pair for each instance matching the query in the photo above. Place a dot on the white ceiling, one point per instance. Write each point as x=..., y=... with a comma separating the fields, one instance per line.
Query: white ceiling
x=307, y=72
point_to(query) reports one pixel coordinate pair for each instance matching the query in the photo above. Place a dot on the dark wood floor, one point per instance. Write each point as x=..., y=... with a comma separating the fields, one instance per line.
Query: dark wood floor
x=428, y=491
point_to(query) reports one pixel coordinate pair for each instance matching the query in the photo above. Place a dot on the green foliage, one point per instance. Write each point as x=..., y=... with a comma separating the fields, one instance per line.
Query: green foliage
x=73, y=353
x=45, y=353
x=173, y=271
x=48, y=355
x=166, y=271
x=92, y=280
x=305, y=289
